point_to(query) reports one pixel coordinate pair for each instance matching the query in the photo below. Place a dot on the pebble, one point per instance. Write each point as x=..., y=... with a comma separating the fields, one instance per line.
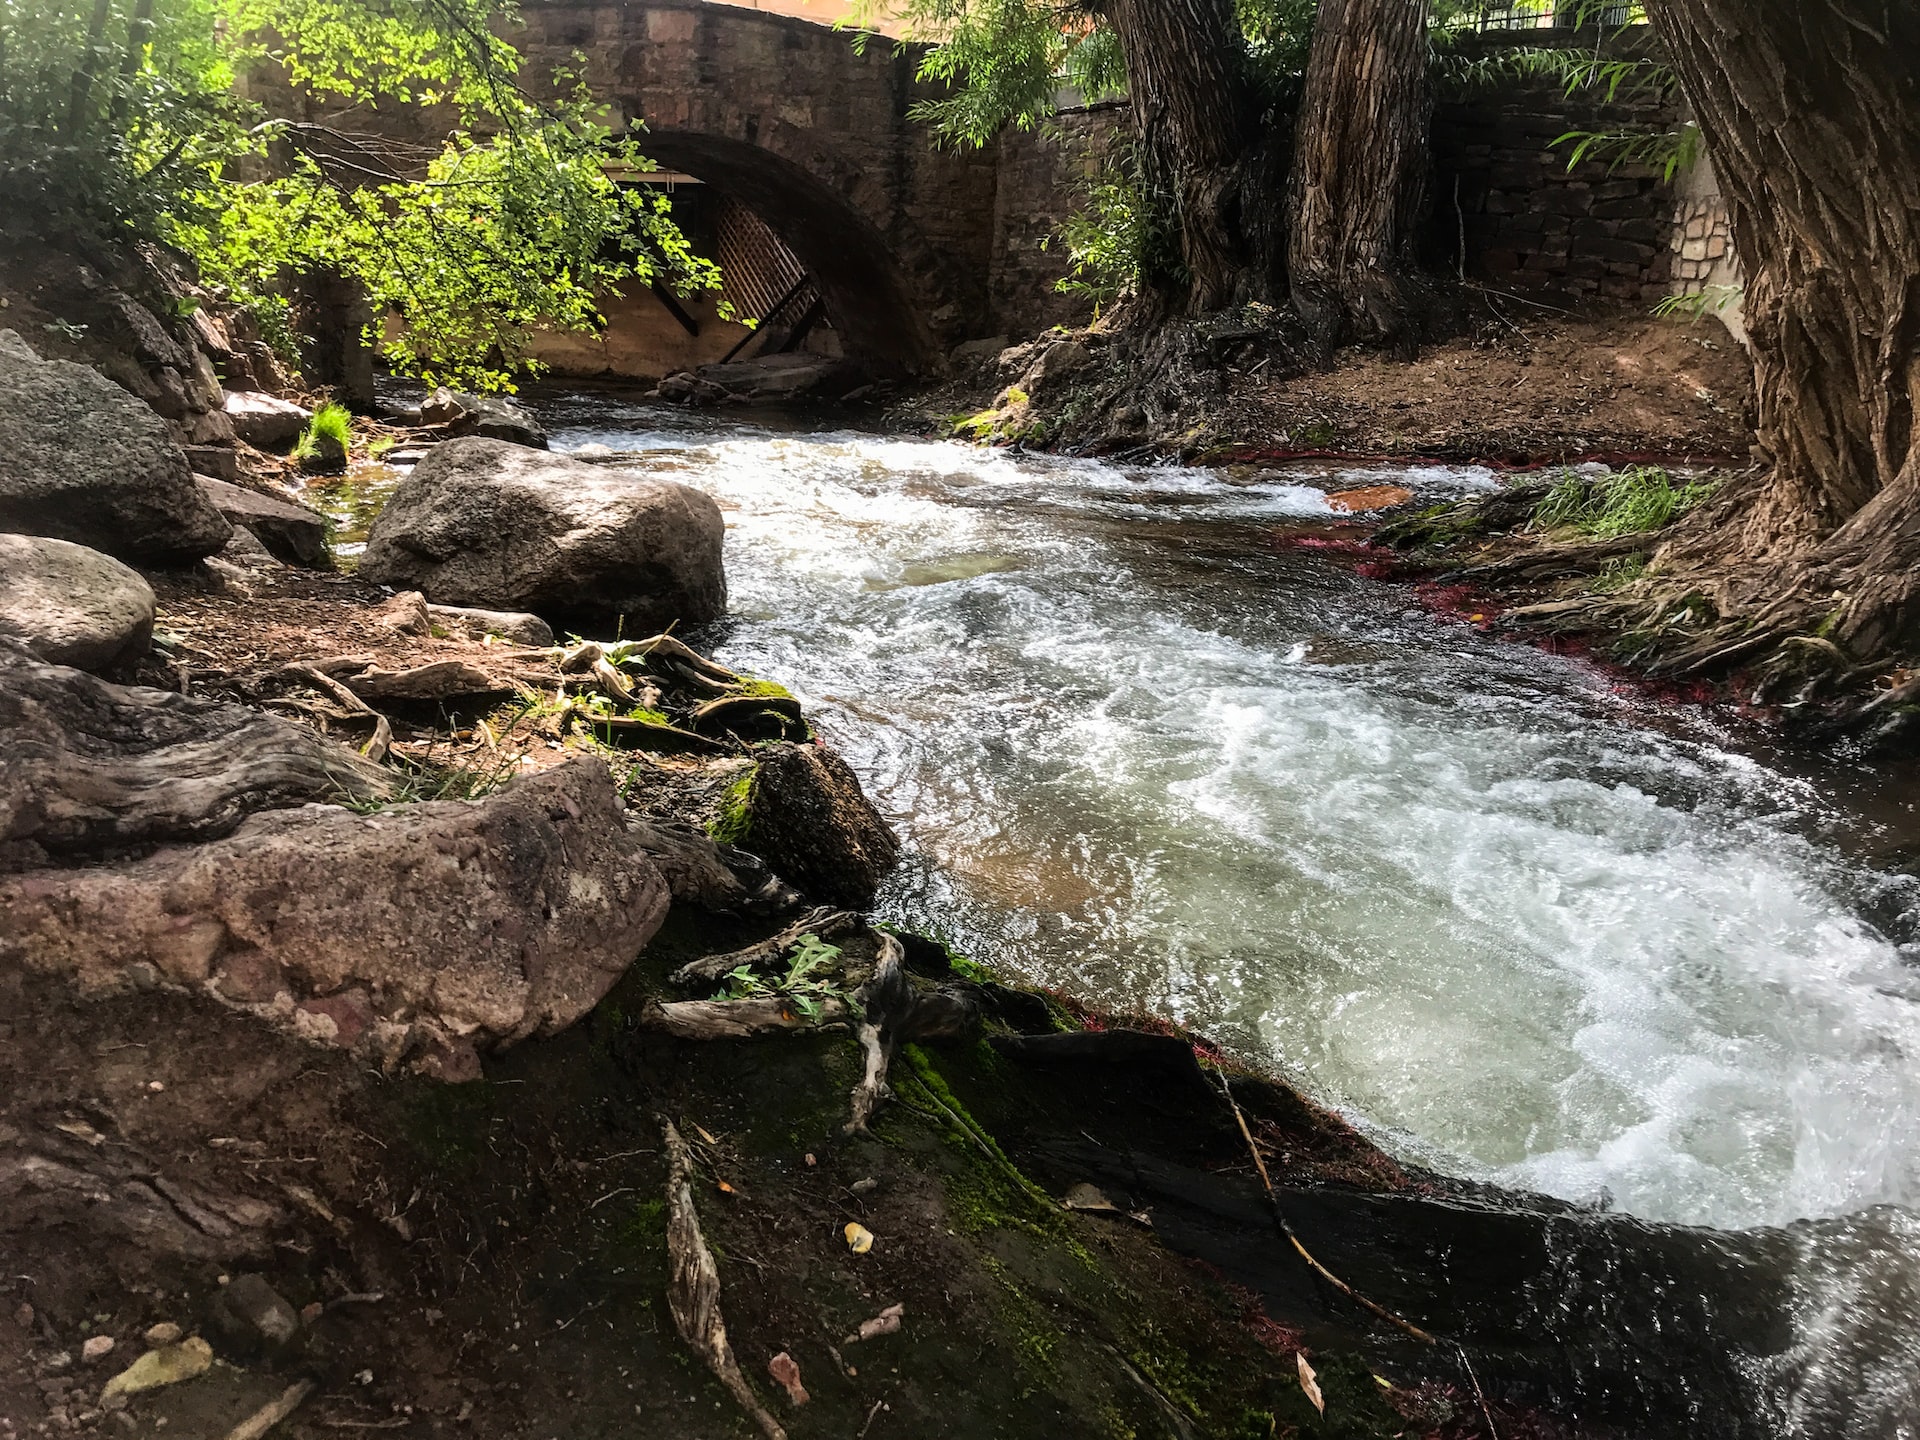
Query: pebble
x=58, y=1364
x=98, y=1347
x=165, y=1333
x=23, y=1317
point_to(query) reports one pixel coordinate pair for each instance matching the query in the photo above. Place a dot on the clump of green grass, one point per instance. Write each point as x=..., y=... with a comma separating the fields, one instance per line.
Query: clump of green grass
x=1628, y=502
x=1618, y=573
x=331, y=422
x=465, y=778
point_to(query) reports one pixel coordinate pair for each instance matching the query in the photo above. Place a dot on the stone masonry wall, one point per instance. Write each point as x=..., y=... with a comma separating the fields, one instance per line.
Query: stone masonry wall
x=1597, y=231
x=1041, y=179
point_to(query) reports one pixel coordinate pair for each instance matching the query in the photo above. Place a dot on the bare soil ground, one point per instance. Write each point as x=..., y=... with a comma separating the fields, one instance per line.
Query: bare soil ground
x=1617, y=387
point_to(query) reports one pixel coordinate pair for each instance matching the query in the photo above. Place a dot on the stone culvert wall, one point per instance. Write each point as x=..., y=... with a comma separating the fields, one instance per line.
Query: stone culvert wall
x=1597, y=231
x=1041, y=178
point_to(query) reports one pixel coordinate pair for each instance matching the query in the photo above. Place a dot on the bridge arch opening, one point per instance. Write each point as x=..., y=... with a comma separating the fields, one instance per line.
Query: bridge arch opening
x=858, y=277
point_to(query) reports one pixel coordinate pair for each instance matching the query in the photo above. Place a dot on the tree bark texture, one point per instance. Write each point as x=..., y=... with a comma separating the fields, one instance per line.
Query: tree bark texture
x=1359, y=170
x=1192, y=108
x=1811, y=114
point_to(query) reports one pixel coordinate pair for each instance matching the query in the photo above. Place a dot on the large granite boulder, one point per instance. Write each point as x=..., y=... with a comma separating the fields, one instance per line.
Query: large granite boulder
x=419, y=934
x=71, y=605
x=82, y=460
x=490, y=524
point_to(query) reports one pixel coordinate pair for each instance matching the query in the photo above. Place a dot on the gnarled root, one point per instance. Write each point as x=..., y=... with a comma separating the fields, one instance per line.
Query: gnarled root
x=693, y=1284
x=887, y=1012
x=738, y=1019
x=893, y=1012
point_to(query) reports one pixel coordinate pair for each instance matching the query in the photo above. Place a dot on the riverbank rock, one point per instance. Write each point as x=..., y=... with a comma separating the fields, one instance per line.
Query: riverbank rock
x=290, y=531
x=82, y=460
x=806, y=816
x=70, y=605
x=88, y=767
x=488, y=524
x=265, y=421
x=485, y=415
x=772, y=377
x=423, y=932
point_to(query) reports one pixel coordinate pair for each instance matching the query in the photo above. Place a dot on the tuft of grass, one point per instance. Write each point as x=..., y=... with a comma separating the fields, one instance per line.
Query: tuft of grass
x=332, y=422
x=469, y=778
x=1618, y=573
x=1628, y=502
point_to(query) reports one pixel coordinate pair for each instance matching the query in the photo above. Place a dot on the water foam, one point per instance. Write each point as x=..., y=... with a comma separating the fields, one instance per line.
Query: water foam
x=1451, y=883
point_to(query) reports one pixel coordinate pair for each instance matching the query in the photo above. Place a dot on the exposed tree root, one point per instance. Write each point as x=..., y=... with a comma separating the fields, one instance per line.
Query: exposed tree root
x=887, y=1011
x=739, y=1019
x=693, y=1284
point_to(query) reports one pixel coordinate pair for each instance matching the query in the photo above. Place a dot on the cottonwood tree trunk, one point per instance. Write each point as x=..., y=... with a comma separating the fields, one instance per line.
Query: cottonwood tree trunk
x=1192, y=108
x=1811, y=114
x=1359, y=171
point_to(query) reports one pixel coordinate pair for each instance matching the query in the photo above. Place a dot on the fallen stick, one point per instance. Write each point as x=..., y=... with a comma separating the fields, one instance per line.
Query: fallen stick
x=1286, y=1229
x=273, y=1412
x=693, y=1284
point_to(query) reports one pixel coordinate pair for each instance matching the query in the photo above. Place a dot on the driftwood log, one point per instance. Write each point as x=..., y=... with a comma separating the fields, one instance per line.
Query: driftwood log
x=693, y=1284
x=90, y=766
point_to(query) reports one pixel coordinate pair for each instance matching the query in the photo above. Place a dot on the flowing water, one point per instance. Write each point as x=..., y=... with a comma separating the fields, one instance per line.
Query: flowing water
x=1514, y=922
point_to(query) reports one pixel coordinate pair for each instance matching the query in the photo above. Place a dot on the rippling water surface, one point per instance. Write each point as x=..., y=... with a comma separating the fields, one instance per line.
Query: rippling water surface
x=1507, y=919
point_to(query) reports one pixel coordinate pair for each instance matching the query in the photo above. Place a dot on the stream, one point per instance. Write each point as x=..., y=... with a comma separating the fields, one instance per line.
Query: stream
x=1515, y=921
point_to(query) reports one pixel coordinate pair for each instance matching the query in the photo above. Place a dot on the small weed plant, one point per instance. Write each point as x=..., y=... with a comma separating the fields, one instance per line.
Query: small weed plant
x=801, y=984
x=1629, y=502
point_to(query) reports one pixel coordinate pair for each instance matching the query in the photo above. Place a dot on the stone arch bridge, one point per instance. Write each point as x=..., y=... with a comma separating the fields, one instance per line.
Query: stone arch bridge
x=814, y=137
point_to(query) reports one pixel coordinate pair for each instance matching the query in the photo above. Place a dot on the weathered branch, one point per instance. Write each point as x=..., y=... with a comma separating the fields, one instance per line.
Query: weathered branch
x=89, y=765
x=693, y=1284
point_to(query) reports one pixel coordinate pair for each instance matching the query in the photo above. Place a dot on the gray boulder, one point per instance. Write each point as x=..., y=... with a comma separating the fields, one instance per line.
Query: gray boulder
x=290, y=531
x=70, y=605
x=82, y=460
x=490, y=416
x=266, y=421
x=497, y=526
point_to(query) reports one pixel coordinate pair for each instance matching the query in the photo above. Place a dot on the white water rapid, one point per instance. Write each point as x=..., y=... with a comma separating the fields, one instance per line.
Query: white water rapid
x=1512, y=922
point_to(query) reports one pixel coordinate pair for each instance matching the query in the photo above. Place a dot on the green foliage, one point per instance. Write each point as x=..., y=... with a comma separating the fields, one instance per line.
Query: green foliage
x=799, y=983
x=132, y=129
x=1124, y=239
x=1628, y=502
x=1608, y=79
x=1709, y=299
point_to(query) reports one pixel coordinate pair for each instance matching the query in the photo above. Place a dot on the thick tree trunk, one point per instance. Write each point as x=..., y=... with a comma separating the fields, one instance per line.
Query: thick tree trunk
x=1359, y=171
x=1191, y=106
x=1811, y=113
